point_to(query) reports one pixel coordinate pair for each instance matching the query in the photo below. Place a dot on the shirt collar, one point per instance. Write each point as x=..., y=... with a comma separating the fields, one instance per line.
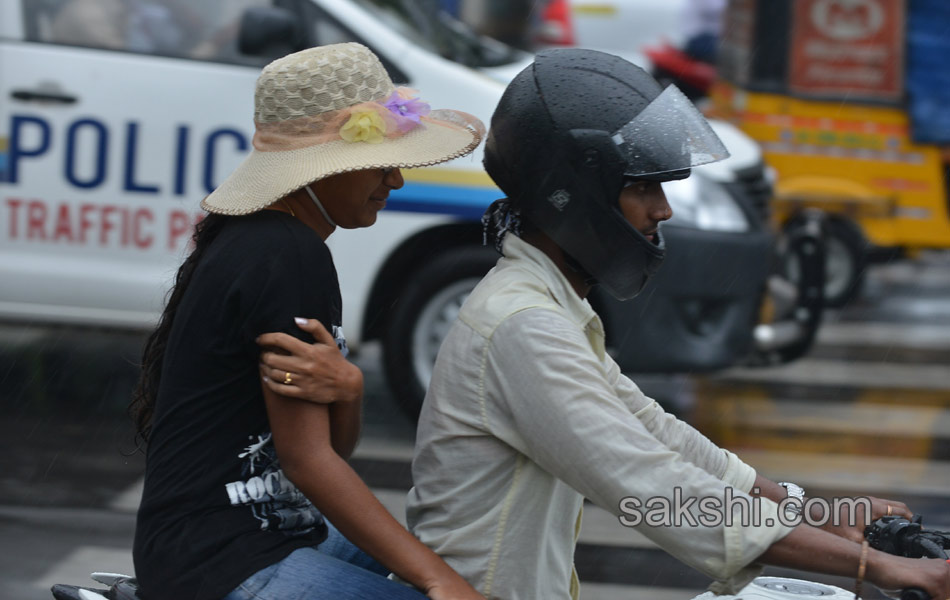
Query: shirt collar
x=524, y=255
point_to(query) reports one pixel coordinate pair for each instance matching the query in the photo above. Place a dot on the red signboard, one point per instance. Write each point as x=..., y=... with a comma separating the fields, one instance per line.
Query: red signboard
x=848, y=49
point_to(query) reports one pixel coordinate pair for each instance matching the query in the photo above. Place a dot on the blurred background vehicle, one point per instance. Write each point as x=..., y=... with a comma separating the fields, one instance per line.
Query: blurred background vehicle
x=624, y=27
x=675, y=40
x=849, y=104
x=112, y=128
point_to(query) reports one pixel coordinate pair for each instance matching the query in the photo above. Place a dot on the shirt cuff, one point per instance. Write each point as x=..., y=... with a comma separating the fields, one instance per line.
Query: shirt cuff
x=743, y=545
x=734, y=584
x=738, y=474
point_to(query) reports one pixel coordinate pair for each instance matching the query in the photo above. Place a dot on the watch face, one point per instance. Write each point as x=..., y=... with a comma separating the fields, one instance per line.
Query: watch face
x=793, y=490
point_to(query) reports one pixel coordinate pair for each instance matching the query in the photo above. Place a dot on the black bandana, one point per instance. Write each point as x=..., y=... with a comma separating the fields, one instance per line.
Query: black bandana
x=500, y=218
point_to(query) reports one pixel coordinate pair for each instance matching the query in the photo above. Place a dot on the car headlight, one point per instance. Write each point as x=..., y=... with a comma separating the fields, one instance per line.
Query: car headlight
x=702, y=203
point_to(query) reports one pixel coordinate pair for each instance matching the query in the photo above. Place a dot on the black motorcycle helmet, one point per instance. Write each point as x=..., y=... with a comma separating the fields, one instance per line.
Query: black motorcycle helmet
x=567, y=133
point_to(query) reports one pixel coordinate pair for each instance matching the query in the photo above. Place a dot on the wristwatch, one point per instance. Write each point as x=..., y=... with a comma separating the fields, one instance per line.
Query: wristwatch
x=796, y=491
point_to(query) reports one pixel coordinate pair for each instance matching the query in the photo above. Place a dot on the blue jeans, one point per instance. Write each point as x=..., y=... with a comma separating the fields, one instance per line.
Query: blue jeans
x=335, y=569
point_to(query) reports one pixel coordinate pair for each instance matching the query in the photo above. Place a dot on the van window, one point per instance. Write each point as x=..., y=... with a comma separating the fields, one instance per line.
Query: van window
x=424, y=22
x=205, y=30
x=325, y=29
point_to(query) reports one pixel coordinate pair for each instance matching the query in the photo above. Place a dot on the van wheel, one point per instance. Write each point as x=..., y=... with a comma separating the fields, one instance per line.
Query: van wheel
x=845, y=262
x=423, y=314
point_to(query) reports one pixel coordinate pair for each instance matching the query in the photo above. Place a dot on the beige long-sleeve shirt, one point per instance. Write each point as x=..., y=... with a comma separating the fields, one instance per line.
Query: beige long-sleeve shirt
x=527, y=415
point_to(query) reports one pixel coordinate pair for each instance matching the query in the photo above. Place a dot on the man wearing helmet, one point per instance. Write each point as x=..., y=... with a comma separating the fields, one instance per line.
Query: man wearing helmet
x=526, y=414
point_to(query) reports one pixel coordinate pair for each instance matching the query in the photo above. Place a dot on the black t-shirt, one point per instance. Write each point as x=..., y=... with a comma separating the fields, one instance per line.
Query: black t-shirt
x=216, y=506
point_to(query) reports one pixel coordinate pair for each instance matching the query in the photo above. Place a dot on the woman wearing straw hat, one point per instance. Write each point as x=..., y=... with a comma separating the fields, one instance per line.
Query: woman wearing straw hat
x=238, y=476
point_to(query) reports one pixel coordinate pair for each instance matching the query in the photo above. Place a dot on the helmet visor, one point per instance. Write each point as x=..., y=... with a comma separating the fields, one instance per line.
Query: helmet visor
x=670, y=134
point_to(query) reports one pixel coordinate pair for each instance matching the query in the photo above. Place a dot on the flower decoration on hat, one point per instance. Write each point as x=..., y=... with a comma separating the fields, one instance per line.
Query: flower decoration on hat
x=371, y=122
x=407, y=109
x=364, y=126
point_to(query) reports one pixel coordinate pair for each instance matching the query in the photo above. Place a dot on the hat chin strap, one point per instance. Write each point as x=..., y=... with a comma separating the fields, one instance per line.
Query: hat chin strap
x=323, y=211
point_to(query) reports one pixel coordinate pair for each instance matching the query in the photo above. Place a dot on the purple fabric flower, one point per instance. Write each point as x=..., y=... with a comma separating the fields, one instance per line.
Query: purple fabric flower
x=407, y=111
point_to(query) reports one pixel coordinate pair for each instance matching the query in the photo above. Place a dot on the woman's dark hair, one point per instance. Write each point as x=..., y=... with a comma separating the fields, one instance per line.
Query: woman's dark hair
x=143, y=398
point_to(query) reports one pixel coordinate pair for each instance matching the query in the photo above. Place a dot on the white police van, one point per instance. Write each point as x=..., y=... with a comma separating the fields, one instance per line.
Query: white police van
x=118, y=116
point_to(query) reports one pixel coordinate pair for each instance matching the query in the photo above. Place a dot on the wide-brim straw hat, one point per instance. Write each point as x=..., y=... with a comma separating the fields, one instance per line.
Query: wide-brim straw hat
x=333, y=109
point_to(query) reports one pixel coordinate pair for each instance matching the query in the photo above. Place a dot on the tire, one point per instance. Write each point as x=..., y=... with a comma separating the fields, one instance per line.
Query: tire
x=421, y=319
x=803, y=242
x=845, y=262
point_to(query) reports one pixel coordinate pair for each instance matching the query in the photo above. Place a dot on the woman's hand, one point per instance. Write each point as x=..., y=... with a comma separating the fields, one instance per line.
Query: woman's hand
x=453, y=588
x=315, y=372
x=894, y=573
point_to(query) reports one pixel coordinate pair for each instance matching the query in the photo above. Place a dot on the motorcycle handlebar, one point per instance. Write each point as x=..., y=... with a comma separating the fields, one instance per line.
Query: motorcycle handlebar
x=903, y=537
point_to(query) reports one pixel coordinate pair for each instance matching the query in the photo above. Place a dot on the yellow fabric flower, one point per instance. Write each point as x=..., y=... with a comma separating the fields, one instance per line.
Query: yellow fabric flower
x=364, y=126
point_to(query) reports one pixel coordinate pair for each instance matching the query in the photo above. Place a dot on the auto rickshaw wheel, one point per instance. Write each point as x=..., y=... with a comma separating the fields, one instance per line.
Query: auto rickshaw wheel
x=845, y=261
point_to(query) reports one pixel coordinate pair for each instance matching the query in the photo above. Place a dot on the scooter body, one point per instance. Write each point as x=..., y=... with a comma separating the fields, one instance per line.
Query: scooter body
x=783, y=588
x=761, y=588
x=118, y=587
x=894, y=535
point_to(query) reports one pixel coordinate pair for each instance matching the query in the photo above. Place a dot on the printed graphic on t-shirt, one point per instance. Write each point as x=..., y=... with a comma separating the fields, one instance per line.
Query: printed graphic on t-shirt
x=340, y=340
x=273, y=499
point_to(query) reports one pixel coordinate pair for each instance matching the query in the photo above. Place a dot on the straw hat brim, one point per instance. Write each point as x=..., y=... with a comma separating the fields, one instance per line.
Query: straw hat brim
x=265, y=177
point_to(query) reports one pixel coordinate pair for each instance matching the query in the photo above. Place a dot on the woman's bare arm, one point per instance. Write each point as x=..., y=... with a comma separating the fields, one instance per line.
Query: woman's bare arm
x=318, y=373
x=301, y=433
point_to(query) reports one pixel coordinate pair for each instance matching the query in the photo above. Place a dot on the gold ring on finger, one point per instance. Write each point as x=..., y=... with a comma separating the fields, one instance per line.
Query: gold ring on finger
x=288, y=380
x=890, y=509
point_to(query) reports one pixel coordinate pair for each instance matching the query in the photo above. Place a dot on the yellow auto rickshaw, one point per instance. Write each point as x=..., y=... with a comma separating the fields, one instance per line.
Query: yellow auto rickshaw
x=850, y=100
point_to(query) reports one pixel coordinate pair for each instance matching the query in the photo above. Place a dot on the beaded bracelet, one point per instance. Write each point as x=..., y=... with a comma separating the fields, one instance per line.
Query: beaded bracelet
x=862, y=567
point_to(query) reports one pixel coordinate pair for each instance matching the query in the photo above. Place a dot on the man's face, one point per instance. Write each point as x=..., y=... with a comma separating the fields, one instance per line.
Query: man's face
x=644, y=205
x=353, y=199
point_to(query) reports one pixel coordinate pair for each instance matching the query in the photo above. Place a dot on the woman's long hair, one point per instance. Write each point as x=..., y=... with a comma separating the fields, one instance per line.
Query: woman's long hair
x=143, y=398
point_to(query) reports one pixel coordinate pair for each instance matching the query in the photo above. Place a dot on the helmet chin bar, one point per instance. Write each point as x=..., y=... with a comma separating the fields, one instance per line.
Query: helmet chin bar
x=616, y=256
x=576, y=206
x=575, y=266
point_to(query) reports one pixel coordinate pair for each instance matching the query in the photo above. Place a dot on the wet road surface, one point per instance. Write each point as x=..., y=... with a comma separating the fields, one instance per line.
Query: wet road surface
x=866, y=412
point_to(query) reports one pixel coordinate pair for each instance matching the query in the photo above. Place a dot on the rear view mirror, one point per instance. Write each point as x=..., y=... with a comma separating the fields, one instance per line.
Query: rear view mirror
x=270, y=31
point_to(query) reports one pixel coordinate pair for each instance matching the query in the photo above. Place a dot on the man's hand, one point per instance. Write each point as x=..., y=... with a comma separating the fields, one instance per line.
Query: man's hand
x=851, y=526
x=315, y=372
x=850, y=523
